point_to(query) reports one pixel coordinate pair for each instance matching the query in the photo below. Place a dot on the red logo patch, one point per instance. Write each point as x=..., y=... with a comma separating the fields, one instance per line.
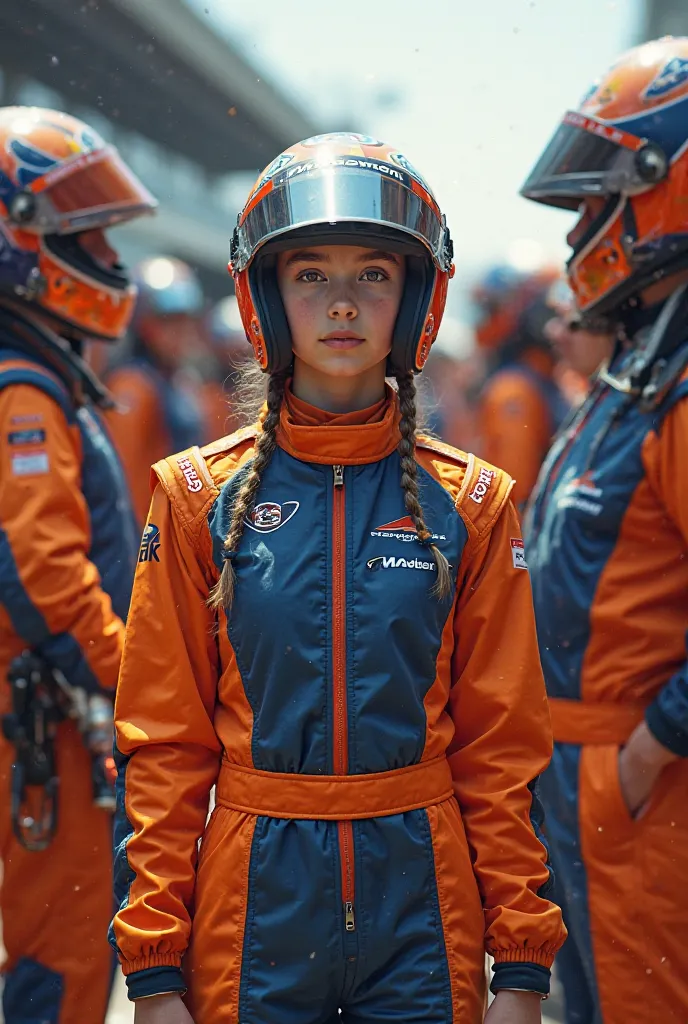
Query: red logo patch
x=404, y=525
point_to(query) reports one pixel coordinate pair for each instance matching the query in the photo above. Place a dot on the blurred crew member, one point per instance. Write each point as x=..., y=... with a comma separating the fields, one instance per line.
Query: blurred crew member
x=67, y=543
x=521, y=405
x=228, y=347
x=160, y=410
x=609, y=550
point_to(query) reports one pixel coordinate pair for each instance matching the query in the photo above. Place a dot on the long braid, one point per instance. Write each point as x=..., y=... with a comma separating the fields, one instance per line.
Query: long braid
x=222, y=594
x=409, y=480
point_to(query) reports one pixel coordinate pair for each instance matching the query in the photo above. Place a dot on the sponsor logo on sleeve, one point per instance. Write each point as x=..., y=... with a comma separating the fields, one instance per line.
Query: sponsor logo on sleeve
x=150, y=542
x=35, y=464
x=29, y=436
x=482, y=485
x=518, y=553
x=193, y=480
x=270, y=515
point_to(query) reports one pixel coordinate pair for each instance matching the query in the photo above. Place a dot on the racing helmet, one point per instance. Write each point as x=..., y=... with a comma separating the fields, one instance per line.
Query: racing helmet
x=58, y=179
x=627, y=145
x=166, y=287
x=344, y=189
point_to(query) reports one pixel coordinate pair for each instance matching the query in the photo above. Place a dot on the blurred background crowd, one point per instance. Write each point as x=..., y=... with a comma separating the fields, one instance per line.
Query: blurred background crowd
x=199, y=94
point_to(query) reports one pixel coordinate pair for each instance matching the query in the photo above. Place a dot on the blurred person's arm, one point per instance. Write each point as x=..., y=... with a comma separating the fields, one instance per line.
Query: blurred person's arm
x=135, y=428
x=514, y=430
x=50, y=589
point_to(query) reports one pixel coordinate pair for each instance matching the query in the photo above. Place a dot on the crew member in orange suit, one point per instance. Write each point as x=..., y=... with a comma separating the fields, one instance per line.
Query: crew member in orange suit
x=68, y=542
x=160, y=410
x=377, y=824
x=521, y=405
x=609, y=546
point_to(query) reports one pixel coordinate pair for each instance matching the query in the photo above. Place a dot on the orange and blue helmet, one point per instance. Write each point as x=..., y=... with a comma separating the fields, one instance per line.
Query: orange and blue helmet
x=627, y=145
x=344, y=189
x=59, y=179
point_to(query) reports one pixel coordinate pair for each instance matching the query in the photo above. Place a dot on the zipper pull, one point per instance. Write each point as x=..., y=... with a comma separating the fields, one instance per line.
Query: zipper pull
x=349, y=919
x=338, y=476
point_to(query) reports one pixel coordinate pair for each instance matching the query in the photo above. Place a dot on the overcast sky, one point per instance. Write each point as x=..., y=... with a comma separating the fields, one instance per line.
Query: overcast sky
x=471, y=90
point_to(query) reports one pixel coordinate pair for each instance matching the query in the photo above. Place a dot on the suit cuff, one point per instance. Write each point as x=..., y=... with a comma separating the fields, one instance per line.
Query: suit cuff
x=525, y=977
x=155, y=981
x=665, y=730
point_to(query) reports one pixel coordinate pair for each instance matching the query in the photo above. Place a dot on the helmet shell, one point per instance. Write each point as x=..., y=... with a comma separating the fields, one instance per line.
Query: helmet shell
x=345, y=189
x=628, y=145
x=58, y=178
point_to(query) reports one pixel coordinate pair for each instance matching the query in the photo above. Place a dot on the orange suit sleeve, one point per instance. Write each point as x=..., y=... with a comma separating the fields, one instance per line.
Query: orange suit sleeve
x=664, y=458
x=49, y=588
x=135, y=430
x=502, y=742
x=514, y=427
x=167, y=751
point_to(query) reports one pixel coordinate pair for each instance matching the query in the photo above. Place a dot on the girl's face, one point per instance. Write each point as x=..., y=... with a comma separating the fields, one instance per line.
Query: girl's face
x=341, y=303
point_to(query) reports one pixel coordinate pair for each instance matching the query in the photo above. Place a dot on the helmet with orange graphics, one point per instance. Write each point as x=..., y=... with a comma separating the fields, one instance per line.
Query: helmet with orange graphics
x=59, y=184
x=622, y=159
x=344, y=189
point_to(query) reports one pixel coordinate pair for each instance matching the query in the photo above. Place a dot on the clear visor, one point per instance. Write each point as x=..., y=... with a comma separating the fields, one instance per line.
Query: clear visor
x=585, y=157
x=309, y=194
x=94, y=191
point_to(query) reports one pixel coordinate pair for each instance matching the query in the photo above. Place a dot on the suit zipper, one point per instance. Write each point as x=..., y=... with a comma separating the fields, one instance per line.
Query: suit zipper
x=340, y=739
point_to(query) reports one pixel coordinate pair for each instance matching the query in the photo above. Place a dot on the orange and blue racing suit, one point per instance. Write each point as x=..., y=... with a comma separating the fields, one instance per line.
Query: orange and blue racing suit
x=521, y=408
x=67, y=555
x=157, y=415
x=608, y=547
x=375, y=748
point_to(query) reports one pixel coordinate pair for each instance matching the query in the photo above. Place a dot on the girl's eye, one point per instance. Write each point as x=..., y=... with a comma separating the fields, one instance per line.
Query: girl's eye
x=373, y=276
x=311, y=276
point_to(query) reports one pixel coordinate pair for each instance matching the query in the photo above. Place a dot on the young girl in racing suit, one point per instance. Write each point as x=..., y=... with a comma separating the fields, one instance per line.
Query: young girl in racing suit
x=332, y=623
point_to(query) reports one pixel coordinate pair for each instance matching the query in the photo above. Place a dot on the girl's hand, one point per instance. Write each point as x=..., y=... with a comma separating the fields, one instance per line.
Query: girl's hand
x=514, y=1008
x=167, y=1009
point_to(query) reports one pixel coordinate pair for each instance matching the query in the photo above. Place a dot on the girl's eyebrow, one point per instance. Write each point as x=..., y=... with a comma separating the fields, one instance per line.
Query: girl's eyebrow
x=307, y=256
x=380, y=255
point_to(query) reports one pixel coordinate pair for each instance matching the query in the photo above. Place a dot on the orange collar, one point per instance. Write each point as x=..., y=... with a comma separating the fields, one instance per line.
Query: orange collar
x=336, y=443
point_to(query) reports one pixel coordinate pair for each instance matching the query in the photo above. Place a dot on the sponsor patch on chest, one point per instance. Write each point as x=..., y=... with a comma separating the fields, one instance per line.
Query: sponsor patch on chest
x=392, y=562
x=270, y=515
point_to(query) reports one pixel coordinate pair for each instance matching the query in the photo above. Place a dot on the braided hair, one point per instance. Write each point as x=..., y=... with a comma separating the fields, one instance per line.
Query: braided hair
x=409, y=479
x=222, y=594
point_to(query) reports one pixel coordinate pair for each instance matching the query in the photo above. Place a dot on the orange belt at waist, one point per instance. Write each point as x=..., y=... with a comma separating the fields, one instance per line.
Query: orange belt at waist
x=334, y=797
x=587, y=722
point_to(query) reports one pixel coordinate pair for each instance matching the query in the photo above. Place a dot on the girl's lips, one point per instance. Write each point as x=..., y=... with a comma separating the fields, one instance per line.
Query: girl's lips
x=342, y=340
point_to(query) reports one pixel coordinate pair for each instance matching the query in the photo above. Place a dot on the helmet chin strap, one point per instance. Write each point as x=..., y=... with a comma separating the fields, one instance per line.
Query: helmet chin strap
x=658, y=355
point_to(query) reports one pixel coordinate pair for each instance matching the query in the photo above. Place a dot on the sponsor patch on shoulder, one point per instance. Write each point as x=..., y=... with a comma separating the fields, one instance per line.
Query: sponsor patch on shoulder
x=30, y=465
x=518, y=553
x=481, y=486
x=193, y=480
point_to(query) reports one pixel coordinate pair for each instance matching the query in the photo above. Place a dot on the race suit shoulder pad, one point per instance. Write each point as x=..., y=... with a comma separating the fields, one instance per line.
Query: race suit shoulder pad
x=483, y=496
x=189, y=485
x=433, y=444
